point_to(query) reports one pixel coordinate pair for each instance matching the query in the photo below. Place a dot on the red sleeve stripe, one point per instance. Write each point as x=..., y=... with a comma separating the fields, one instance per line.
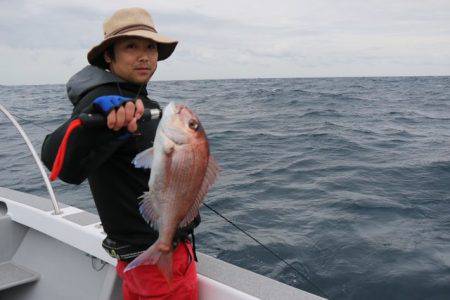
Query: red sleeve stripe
x=59, y=160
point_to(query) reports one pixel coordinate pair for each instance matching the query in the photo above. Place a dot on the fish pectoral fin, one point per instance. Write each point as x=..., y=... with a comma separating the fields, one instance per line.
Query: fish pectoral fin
x=148, y=210
x=212, y=171
x=144, y=159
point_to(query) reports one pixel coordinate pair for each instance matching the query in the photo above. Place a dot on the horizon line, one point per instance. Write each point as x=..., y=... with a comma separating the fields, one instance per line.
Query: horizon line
x=250, y=78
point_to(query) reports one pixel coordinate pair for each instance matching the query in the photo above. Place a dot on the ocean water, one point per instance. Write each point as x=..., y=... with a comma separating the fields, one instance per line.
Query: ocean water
x=347, y=179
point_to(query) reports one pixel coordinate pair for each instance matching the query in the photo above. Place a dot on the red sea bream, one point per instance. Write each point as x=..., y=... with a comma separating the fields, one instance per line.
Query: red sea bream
x=182, y=172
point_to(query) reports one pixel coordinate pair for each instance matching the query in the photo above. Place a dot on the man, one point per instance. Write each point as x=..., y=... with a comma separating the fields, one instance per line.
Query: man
x=120, y=68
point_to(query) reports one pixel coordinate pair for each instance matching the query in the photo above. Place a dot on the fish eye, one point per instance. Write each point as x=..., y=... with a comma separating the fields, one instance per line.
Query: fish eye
x=193, y=124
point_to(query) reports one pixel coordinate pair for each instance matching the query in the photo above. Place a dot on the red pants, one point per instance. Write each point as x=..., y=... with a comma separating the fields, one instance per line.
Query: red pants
x=147, y=282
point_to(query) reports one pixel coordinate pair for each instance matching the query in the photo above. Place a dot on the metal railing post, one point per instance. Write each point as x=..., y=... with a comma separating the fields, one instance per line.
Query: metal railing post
x=56, y=209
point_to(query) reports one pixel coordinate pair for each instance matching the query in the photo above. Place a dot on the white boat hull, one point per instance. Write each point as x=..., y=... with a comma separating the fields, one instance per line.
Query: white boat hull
x=60, y=257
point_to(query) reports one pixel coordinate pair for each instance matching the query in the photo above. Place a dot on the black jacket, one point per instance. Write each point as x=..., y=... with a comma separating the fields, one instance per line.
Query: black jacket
x=104, y=157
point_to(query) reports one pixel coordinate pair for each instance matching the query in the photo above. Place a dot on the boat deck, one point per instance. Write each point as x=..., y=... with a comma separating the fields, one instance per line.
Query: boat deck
x=49, y=256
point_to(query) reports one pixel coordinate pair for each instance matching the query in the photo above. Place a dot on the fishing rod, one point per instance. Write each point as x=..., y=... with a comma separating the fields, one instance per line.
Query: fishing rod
x=89, y=120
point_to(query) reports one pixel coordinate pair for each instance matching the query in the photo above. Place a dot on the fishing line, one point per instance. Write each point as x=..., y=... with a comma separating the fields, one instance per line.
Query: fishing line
x=28, y=121
x=138, y=92
x=304, y=276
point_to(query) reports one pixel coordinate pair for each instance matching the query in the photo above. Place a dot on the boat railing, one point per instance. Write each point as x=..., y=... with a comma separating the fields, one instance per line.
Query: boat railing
x=56, y=209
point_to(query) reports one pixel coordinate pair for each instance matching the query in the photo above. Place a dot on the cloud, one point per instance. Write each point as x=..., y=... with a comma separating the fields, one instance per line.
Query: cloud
x=46, y=41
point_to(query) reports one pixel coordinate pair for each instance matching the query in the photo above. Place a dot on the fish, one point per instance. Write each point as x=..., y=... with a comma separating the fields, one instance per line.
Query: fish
x=182, y=172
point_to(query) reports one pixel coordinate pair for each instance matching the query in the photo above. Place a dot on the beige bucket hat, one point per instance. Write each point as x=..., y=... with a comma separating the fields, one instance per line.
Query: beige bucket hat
x=134, y=22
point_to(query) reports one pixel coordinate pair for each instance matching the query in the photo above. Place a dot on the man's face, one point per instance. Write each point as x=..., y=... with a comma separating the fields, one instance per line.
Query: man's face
x=135, y=59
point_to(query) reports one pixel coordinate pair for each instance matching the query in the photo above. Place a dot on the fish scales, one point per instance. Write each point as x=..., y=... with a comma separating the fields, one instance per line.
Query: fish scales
x=182, y=172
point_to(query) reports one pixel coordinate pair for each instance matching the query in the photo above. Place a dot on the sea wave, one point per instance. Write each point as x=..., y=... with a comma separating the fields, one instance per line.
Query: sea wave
x=345, y=178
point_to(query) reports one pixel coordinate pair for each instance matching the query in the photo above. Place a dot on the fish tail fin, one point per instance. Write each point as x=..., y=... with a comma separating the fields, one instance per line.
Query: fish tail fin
x=159, y=255
x=148, y=257
x=164, y=264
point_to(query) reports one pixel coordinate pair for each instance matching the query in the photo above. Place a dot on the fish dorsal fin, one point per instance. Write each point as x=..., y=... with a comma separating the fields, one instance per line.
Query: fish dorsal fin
x=212, y=170
x=144, y=159
x=148, y=210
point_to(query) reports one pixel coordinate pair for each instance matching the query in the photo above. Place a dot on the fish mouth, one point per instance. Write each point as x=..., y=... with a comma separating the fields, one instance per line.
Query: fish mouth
x=169, y=109
x=179, y=108
x=175, y=108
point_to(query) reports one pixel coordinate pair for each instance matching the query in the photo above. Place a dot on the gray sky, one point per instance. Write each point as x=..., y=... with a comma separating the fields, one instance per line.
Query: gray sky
x=46, y=41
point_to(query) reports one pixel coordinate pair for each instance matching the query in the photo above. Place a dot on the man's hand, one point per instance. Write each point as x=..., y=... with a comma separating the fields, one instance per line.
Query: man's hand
x=126, y=116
